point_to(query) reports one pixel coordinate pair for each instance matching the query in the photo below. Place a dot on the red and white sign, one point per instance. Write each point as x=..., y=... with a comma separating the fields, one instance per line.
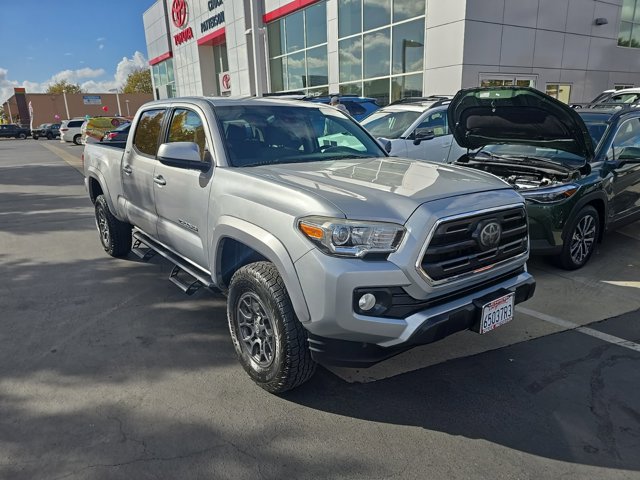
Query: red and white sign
x=179, y=13
x=224, y=79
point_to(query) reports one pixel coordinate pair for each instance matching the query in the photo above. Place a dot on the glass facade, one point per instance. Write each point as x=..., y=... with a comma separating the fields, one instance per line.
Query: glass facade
x=381, y=48
x=629, y=35
x=163, y=77
x=298, y=51
x=560, y=91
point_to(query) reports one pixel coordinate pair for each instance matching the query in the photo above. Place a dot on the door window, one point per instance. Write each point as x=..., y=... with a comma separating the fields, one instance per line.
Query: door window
x=145, y=139
x=436, y=123
x=626, y=143
x=186, y=126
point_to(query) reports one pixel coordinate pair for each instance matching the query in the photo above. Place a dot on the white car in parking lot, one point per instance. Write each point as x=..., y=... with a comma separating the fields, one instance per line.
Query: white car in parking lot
x=70, y=130
x=415, y=128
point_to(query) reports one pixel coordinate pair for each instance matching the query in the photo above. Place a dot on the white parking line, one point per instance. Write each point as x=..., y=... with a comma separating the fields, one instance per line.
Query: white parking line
x=605, y=337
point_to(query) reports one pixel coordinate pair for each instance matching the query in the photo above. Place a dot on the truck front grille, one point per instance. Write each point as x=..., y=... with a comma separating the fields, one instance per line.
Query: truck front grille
x=470, y=244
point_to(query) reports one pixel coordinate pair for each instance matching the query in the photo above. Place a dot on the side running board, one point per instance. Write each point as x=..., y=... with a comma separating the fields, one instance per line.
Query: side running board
x=196, y=278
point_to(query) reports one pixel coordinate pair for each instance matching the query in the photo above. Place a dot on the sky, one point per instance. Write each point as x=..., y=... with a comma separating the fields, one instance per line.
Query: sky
x=92, y=43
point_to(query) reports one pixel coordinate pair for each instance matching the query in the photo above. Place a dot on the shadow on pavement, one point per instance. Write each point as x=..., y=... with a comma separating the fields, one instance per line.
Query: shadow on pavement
x=40, y=175
x=567, y=397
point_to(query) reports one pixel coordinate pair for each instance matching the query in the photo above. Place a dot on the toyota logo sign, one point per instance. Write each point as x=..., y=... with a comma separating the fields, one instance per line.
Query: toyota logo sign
x=488, y=234
x=226, y=81
x=179, y=13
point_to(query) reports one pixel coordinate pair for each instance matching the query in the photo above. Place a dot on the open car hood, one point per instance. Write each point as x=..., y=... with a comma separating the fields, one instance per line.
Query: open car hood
x=517, y=115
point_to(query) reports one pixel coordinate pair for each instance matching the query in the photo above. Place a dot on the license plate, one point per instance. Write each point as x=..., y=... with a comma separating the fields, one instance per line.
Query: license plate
x=496, y=313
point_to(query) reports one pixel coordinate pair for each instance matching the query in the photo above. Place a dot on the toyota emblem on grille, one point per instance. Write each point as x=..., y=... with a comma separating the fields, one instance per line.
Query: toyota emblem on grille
x=489, y=234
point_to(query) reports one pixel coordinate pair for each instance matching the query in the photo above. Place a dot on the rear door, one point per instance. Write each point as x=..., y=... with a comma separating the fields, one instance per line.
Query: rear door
x=182, y=195
x=138, y=164
x=437, y=148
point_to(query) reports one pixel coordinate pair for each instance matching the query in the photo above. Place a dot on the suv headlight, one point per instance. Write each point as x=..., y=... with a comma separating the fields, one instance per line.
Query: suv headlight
x=551, y=194
x=351, y=238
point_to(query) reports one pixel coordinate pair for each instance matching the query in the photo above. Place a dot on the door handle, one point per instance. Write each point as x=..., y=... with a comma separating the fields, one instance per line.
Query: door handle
x=126, y=168
x=159, y=180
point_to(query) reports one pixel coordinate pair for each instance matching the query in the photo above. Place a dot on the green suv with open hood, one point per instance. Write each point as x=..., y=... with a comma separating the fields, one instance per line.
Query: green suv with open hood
x=578, y=171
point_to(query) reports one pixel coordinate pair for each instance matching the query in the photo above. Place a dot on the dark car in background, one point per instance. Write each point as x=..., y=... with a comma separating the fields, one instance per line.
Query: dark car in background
x=14, y=131
x=579, y=171
x=119, y=134
x=46, y=130
x=358, y=107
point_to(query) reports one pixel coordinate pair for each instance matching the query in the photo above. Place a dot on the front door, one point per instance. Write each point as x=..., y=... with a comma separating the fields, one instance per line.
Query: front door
x=182, y=195
x=625, y=151
x=137, y=167
x=435, y=149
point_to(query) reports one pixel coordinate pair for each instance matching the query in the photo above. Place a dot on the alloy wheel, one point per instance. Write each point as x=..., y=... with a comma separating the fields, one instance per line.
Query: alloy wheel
x=103, y=228
x=256, y=329
x=583, y=239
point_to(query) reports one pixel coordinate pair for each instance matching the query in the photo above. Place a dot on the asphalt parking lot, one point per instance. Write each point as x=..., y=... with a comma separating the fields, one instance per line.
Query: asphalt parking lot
x=108, y=371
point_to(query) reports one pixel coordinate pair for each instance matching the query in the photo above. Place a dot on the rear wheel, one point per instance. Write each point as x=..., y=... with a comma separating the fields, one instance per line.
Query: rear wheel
x=22, y=136
x=580, y=241
x=269, y=340
x=49, y=136
x=76, y=139
x=115, y=235
x=35, y=137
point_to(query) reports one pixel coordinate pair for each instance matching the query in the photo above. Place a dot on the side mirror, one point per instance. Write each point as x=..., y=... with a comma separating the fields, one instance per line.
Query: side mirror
x=385, y=143
x=182, y=155
x=421, y=135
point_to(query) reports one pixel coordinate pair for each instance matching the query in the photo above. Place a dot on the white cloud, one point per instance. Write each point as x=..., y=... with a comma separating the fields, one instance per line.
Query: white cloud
x=101, y=46
x=86, y=77
x=101, y=39
x=68, y=54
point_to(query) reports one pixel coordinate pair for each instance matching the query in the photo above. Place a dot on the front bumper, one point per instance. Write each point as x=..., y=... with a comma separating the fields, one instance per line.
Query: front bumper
x=429, y=325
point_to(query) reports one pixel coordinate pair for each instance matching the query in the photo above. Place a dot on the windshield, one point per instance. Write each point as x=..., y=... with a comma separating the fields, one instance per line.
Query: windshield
x=269, y=135
x=596, y=124
x=389, y=124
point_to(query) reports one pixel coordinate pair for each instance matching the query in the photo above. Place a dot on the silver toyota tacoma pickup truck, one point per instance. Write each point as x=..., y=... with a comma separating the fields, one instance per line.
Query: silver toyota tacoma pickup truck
x=327, y=249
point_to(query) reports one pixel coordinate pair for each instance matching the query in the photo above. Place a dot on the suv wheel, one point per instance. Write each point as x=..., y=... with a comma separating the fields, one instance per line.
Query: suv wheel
x=49, y=136
x=35, y=137
x=22, y=136
x=580, y=241
x=269, y=340
x=76, y=139
x=115, y=235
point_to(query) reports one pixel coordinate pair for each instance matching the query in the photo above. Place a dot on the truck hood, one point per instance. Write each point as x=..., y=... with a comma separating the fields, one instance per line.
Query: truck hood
x=517, y=115
x=386, y=189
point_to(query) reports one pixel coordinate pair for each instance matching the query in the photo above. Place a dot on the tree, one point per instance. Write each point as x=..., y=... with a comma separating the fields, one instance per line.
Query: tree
x=64, y=87
x=138, y=81
x=3, y=116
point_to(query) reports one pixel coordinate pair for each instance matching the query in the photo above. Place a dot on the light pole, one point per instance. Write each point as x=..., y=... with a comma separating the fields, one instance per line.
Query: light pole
x=117, y=99
x=127, y=103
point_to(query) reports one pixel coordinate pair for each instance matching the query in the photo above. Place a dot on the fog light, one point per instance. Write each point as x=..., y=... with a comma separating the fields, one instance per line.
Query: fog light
x=367, y=302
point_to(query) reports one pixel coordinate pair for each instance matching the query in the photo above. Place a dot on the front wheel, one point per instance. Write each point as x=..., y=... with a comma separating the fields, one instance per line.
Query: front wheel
x=269, y=340
x=115, y=235
x=22, y=136
x=76, y=139
x=580, y=241
x=49, y=136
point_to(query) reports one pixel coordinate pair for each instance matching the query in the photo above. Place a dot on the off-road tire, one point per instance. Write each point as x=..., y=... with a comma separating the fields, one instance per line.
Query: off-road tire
x=292, y=364
x=568, y=261
x=117, y=242
x=76, y=139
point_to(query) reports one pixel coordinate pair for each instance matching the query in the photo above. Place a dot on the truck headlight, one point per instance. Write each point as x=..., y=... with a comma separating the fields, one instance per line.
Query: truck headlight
x=551, y=194
x=351, y=238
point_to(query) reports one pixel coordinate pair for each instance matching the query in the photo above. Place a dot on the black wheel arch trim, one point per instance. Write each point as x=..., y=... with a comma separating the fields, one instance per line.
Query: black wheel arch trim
x=589, y=198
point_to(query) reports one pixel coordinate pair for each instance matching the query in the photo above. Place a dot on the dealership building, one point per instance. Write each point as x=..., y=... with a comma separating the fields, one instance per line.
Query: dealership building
x=390, y=49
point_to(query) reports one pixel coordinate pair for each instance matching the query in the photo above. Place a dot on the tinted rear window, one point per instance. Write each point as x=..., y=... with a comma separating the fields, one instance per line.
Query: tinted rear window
x=148, y=132
x=75, y=124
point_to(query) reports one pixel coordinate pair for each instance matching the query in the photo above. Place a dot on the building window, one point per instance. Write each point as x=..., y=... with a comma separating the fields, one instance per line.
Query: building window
x=298, y=51
x=163, y=79
x=380, y=42
x=622, y=86
x=559, y=91
x=629, y=35
x=497, y=80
